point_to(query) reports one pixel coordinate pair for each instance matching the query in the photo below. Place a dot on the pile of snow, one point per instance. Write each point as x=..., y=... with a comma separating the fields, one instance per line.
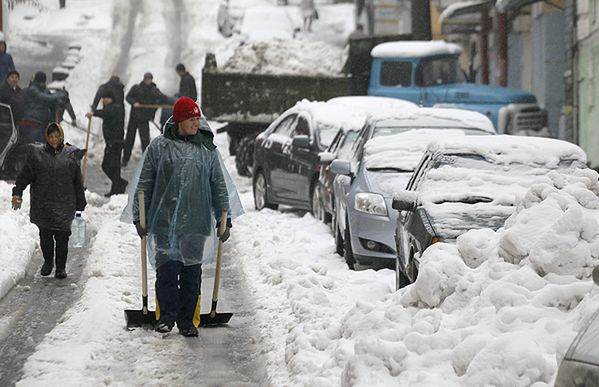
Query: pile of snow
x=286, y=56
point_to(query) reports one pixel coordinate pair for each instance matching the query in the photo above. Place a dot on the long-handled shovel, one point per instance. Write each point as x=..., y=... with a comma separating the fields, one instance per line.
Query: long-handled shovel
x=84, y=168
x=213, y=318
x=143, y=317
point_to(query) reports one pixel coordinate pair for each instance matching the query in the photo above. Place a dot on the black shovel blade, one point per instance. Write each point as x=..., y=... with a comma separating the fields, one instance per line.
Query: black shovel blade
x=137, y=318
x=210, y=319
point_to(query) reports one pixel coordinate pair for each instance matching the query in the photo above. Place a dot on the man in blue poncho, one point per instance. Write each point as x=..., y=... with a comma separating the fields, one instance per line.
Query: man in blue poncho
x=185, y=191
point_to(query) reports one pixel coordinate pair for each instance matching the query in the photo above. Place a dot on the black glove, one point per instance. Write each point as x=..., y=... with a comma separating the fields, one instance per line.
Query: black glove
x=226, y=234
x=142, y=232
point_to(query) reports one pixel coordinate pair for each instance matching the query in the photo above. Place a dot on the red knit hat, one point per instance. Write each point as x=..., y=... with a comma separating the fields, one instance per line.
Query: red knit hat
x=185, y=108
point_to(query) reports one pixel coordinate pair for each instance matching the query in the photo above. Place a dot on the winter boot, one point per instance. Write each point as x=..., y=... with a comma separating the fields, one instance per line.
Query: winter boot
x=60, y=274
x=189, y=331
x=165, y=326
x=47, y=267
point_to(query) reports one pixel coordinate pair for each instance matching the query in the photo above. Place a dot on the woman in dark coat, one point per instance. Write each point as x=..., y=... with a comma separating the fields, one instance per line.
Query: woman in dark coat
x=56, y=194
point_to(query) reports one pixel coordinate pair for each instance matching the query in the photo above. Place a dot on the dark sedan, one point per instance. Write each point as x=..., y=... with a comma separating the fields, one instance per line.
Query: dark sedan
x=286, y=156
x=471, y=183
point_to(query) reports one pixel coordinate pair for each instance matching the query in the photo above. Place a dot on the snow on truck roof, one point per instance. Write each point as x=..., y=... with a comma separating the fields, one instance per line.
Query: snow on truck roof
x=410, y=49
x=506, y=149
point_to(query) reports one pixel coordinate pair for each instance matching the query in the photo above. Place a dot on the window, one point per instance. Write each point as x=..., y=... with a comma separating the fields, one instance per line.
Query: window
x=284, y=128
x=439, y=71
x=302, y=128
x=396, y=74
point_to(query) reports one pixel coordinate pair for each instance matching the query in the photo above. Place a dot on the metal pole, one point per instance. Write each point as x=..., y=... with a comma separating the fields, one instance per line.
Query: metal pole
x=484, y=46
x=502, y=24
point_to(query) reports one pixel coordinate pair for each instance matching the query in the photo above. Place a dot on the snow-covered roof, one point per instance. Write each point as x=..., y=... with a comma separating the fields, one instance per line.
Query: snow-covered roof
x=331, y=117
x=403, y=151
x=375, y=105
x=439, y=118
x=410, y=49
x=462, y=7
x=506, y=149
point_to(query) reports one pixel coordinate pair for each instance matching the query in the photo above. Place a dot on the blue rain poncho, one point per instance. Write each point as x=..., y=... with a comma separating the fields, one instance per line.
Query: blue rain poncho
x=185, y=185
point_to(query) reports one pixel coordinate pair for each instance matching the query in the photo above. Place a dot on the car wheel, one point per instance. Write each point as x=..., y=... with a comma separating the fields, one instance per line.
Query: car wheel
x=317, y=209
x=244, y=155
x=348, y=253
x=260, y=194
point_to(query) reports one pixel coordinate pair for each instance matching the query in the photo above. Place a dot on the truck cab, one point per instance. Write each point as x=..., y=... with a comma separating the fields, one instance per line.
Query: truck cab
x=428, y=73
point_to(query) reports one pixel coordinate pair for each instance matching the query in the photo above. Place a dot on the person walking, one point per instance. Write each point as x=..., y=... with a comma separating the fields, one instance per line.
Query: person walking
x=144, y=93
x=39, y=107
x=309, y=13
x=187, y=85
x=6, y=62
x=185, y=192
x=112, y=130
x=12, y=95
x=56, y=192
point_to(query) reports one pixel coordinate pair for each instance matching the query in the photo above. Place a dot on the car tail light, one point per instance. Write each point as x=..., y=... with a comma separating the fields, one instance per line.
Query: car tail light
x=435, y=239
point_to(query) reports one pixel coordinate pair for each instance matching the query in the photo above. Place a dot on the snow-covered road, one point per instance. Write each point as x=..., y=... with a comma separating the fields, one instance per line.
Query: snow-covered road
x=498, y=308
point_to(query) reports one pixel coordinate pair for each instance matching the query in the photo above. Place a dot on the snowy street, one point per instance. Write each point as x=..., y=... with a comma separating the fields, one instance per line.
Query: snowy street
x=496, y=308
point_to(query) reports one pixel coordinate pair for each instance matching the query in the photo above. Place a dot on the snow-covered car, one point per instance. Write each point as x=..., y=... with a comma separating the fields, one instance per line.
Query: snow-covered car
x=286, y=155
x=465, y=184
x=9, y=135
x=363, y=223
x=580, y=365
x=342, y=143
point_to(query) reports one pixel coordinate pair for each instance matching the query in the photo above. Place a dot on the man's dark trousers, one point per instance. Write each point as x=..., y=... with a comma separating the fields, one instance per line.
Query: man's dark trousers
x=144, y=136
x=111, y=165
x=177, y=292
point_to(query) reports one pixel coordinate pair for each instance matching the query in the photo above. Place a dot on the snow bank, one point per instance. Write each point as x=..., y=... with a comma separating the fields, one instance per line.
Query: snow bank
x=286, y=56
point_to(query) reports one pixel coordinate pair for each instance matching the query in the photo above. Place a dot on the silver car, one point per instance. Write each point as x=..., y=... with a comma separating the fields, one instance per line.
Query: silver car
x=363, y=221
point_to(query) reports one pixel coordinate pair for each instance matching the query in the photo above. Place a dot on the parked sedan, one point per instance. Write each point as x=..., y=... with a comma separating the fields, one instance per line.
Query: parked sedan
x=344, y=140
x=286, y=161
x=363, y=189
x=465, y=184
x=580, y=365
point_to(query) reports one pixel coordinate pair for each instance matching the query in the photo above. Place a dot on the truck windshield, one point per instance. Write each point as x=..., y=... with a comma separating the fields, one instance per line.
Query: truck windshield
x=439, y=71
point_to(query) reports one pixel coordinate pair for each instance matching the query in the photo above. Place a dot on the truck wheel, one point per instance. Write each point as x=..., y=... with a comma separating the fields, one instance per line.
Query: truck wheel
x=348, y=253
x=244, y=155
x=260, y=194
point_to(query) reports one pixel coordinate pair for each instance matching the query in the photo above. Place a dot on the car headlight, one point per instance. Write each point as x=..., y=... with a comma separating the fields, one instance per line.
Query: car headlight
x=370, y=203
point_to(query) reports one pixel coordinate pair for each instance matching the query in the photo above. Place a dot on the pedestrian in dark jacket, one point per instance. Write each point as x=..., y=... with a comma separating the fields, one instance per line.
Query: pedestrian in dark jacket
x=112, y=129
x=39, y=106
x=117, y=88
x=144, y=93
x=187, y=85
x=12, y=95
x=6, y=62
x=56, y=193
x=64, y=105
x=185, y=191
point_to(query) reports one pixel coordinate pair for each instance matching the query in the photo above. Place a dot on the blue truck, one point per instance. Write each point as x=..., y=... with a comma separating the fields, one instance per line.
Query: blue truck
x=425, y=72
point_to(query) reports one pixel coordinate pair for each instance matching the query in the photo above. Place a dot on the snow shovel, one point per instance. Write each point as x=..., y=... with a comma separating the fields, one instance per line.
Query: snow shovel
x=213, y=318
x=143, y=317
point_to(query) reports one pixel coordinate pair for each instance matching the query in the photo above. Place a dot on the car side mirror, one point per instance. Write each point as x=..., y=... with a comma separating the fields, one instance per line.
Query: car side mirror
x=341, y=167
x=596, y=275
x=326, y=157
x=301, y=141
x=404, y=200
